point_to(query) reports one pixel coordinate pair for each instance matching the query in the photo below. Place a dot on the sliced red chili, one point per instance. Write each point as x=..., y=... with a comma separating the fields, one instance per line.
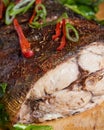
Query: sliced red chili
x=62, y=43
x=25, y=45
x=1, y=9
x=63, y=40
x=38, y=2
x=32, y=17
x=34, y=12
x=57, y=30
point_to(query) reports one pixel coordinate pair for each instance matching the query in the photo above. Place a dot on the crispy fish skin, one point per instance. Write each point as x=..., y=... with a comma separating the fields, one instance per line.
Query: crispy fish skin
x=22, y=74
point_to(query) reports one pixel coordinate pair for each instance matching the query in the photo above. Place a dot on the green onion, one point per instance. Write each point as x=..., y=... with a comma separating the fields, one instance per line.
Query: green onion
x=22, y=7
x=63, y=16
x=12, y=9
x=36, y=25
x=8, y=18
x=6, y=2
x=39, y=25
x=41, y=11
x=69, y=37
x=31, y=127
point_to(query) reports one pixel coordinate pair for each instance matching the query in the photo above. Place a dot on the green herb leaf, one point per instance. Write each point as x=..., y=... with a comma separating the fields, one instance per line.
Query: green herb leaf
x=31, y=127
x=83, y=10
x=6, y=2
x=4, y=118
x=2, y=89
x=86, y=8
x=70, y=2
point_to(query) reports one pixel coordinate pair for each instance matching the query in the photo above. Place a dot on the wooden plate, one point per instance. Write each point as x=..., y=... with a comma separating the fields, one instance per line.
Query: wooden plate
x=92, y=119
x=100, y=14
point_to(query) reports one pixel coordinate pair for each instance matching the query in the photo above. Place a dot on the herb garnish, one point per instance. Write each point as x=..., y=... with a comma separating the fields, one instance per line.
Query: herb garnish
x=86, y=8
x=4, y=118
x=2, y=89
x=31, y=127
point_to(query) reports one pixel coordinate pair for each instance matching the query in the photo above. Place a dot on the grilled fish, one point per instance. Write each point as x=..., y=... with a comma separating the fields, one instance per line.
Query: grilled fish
x=52, y=84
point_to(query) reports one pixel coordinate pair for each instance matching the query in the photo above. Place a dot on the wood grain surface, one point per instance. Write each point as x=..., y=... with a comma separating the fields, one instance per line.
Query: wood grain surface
x=92, y=119
x=100, y=14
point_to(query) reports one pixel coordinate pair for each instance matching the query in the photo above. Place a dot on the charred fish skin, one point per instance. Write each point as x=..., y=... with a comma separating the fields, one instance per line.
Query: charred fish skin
x=22, y=75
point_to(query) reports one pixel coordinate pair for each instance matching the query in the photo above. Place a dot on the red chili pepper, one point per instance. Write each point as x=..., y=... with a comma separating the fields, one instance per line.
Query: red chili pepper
x=62, y=43
x=63, y=40
x=34, y=12
x=25, y=45
x=32, y=17
x=58, y=33
x=57, y=30
x=38, y=2
x=1, y=9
